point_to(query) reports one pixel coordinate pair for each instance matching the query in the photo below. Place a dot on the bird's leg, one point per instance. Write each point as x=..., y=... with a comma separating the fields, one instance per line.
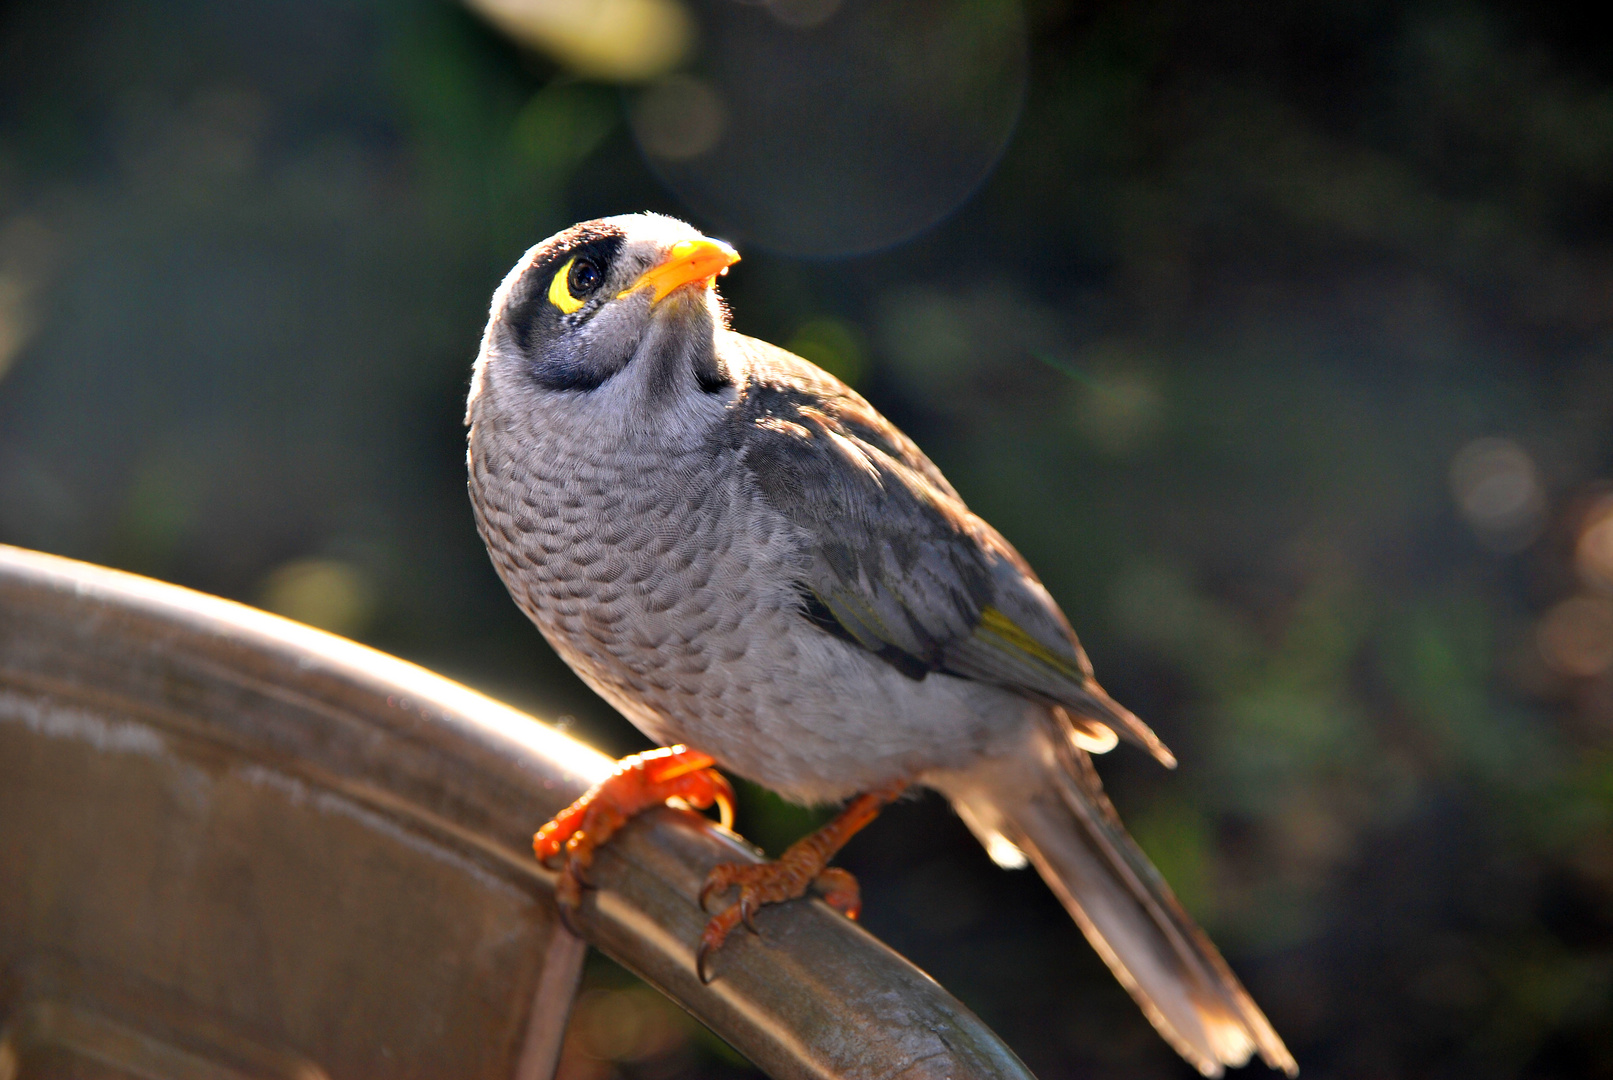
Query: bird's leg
x=639, y=783
x=802, y=865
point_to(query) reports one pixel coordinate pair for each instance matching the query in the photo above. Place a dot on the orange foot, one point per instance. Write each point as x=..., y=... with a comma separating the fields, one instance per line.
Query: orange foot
x=639, y=783
x=803, y=864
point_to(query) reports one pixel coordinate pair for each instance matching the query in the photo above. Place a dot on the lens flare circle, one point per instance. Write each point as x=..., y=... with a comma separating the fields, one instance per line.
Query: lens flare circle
x=827, y=130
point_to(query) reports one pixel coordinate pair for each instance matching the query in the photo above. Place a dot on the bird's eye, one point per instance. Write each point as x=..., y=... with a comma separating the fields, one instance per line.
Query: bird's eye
x=584, y=277
x=573, y=282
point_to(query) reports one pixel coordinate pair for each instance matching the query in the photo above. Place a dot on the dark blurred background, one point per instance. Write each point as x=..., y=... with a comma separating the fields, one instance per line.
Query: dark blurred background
x=1276, y=336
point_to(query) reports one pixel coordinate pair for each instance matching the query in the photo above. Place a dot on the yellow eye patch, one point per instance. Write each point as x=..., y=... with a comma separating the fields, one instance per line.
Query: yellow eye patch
x=560, y=293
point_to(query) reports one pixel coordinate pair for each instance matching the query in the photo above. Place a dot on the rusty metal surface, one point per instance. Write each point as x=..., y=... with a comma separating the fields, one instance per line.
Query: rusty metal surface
x=232, y=846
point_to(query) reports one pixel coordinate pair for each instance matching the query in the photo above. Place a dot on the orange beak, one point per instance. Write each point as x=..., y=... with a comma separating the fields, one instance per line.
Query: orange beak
x=688, y=261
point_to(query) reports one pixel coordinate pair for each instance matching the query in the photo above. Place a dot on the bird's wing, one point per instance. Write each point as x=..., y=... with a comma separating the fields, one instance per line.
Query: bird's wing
x=897, y=563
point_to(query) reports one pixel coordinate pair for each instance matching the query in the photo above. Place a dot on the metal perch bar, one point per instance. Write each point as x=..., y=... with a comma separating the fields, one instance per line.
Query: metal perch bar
x=231, y=845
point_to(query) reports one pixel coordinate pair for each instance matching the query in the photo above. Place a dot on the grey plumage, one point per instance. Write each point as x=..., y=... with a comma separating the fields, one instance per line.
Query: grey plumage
x=740, y=553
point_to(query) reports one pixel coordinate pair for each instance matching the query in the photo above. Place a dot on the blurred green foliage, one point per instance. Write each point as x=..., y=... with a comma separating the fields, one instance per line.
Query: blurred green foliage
x=1205, y=347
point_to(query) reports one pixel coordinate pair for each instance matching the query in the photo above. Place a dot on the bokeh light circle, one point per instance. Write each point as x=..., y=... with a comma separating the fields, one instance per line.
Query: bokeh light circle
x=821, y=128
x=1593, y=553
x=1498, y=490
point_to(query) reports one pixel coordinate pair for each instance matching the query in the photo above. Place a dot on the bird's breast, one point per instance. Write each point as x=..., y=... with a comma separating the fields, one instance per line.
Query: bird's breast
x=657, y=575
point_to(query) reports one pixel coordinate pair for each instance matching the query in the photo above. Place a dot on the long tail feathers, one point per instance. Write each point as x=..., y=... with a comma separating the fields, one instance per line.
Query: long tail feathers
x=1068, y=828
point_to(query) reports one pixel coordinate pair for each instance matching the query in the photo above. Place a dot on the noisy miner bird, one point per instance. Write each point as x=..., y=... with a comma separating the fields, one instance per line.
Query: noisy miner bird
x=738, y=552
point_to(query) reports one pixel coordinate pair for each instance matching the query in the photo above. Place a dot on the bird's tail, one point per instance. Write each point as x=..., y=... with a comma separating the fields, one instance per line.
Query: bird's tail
x=1057, y=814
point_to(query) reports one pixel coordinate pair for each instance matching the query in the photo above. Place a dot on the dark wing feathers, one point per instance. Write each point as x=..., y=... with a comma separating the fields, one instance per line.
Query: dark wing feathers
x=901, y=566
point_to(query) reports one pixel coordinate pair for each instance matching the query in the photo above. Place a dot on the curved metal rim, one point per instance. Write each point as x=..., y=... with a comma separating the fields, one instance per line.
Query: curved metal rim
x=813, y=996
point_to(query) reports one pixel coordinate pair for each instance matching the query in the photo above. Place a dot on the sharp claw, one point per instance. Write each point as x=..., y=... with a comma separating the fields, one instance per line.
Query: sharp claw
x=566, y=911
x=700, y=957
x=747, y=914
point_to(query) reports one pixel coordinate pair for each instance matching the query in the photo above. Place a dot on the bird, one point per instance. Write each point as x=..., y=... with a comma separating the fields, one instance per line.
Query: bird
x=768, y=578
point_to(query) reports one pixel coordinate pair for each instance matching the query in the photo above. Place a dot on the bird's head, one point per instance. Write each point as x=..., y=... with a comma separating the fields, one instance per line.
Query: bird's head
x=632, y=294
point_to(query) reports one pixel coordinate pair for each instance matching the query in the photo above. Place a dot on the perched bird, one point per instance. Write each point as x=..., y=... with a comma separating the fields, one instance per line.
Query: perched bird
x=744, y=557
